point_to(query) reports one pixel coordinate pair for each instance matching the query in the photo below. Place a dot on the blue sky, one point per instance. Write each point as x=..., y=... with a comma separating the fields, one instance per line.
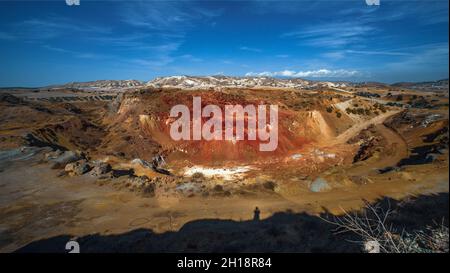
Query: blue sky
x=49, y=42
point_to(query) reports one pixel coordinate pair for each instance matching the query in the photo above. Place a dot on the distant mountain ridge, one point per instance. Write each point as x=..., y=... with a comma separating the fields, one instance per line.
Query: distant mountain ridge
x=225, y=81
x=102, y=84
x=209, y=82
x=199, y=82
x=439, y=84
x=205, y=82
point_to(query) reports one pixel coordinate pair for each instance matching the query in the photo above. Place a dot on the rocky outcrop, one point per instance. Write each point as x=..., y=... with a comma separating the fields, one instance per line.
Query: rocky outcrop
x=59, y=159
x=367, y=149
x=101, y=170
x=77, y=168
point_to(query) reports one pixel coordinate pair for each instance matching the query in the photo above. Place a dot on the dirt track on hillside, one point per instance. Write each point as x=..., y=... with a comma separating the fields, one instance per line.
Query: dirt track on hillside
x=354, y=130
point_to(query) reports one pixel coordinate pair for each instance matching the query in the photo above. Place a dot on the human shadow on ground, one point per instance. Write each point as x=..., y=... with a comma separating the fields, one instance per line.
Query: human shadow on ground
x=281, y=232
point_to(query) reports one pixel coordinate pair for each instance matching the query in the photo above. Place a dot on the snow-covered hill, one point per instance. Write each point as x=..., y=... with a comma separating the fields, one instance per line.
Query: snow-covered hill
x=225, y=81
x=205, y=82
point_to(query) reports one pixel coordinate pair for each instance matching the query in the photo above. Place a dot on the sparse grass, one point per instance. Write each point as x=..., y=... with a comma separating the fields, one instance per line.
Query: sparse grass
x=198, y=177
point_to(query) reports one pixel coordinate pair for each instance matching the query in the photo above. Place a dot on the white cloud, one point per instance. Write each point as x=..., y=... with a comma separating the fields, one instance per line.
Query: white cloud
x=251, y=49
x=227, y=61
x=432, y=55
x=6, y=36
x=191, y=58
x=379, y=52
x=77, y=54
x=332, y=34
x=153, y=62
x=320, y=73
x=165, y=16
x=39, y=29
x=336, y=55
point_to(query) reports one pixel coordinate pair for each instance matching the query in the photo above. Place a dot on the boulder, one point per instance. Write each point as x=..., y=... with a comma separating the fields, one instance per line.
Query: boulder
x=77, y=168
x=64, y=159
x=319, y=185
x=100, y=169
x=52, y=155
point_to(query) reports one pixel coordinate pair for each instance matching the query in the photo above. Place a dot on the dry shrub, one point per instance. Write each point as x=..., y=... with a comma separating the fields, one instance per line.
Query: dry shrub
x=377, y=235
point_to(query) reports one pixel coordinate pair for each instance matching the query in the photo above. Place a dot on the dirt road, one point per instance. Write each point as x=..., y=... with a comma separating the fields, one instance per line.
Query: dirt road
x=355, y=129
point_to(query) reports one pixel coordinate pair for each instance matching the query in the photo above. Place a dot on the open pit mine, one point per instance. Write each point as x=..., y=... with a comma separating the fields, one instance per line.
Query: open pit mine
x=95, y=162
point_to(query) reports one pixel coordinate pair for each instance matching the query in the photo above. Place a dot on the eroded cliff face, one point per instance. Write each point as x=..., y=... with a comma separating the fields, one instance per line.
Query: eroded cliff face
x=141, y=127
x=136, y=124
x=316, y=130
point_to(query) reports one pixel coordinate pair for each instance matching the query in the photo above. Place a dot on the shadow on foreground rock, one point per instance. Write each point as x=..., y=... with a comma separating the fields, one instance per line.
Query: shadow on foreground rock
x=282, y=232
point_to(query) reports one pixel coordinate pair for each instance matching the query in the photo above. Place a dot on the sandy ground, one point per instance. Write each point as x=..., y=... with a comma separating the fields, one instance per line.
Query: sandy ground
x=36, y=204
